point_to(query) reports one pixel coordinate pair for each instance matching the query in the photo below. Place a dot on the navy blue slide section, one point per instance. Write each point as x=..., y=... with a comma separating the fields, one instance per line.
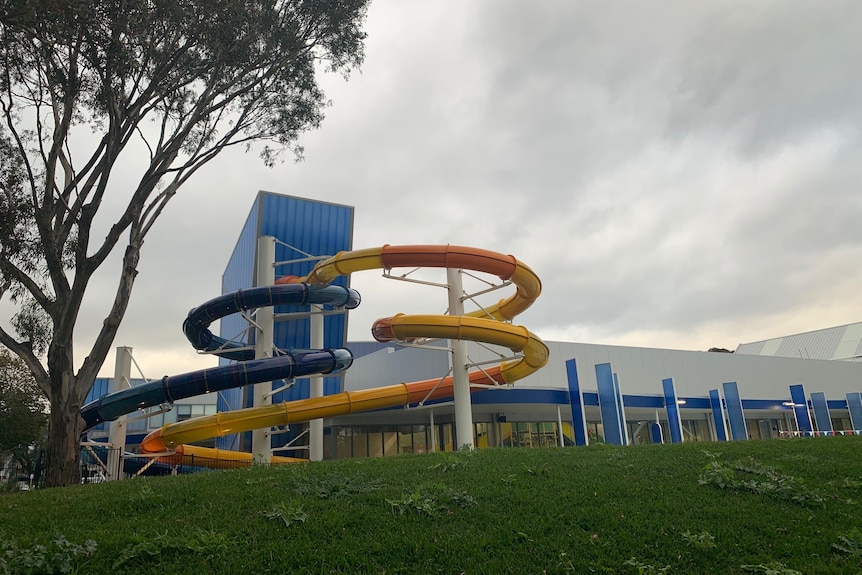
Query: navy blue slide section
x=249, y=371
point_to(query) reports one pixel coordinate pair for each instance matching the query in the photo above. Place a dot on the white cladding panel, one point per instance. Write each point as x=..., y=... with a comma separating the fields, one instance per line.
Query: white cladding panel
x=640, y=370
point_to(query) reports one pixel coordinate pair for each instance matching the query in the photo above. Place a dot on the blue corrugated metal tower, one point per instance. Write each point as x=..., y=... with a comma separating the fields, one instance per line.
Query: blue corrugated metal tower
x=302, y=228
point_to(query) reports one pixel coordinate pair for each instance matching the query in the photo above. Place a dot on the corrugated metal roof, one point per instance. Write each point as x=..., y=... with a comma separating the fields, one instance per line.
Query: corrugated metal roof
x=843, y=342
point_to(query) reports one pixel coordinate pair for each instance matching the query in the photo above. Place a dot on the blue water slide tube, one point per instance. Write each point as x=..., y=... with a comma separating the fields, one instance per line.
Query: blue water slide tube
x=283, y=365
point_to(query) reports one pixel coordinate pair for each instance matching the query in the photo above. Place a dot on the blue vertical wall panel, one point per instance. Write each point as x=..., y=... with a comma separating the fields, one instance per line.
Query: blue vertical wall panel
x=621, y=411
x=717, y=415
x=733, y=404
x=673, y=418
x=854, y=405
x=307, y=227
x=576, y=401
x=608, y=404
x=821, y=411
x=800, y=408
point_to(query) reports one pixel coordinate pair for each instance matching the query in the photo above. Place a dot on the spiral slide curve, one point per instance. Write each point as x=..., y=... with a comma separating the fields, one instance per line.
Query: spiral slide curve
x=488, y=325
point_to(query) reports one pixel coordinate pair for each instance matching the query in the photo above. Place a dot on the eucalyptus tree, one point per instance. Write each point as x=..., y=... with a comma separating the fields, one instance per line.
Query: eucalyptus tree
x=182, y=80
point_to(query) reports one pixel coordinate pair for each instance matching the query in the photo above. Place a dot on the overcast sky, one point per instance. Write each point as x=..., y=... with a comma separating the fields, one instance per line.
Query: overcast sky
x=680, y=174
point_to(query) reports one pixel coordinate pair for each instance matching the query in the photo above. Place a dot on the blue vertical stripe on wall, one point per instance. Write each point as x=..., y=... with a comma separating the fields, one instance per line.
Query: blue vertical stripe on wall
x=800, y=408
x=854, y=405
x=717, y=415
x=576, y=402
x=608, y=404
x=821, y=411
x=621, y=411
x=733, y=404
x=672, y=407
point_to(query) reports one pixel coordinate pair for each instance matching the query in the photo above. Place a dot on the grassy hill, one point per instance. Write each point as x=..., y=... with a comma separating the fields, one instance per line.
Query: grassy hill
x=780, y=507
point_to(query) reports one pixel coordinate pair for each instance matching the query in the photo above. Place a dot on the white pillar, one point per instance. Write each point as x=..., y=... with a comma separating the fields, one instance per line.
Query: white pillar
x=460, y=379
x=315, y=426
x=261, y=446
x=117, y=428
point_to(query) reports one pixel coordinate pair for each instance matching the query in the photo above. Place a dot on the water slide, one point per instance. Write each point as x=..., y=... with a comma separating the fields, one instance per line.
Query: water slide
x=489, y=325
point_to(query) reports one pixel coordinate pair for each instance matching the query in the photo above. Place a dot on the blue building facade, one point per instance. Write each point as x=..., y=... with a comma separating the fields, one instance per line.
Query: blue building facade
x=303, y=229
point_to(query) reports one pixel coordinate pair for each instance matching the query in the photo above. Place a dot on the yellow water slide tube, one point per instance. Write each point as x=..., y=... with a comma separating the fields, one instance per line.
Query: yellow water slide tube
x=488, y=325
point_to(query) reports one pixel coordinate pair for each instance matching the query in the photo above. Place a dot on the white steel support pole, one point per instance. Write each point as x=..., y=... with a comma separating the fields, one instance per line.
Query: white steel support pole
x=117, y=429
x=315, y=426
x=460, y=379
x=261, y=444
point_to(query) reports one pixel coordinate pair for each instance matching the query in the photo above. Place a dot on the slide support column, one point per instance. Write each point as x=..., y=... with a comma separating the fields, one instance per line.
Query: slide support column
x=117, y=429
x=315, y=426
x=460, y=379
x=261, y=444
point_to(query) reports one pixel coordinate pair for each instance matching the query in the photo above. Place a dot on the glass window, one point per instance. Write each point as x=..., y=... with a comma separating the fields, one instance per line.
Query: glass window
x=156, y=421
x=390, y=442
x=139, y=425
x=405, y=439
x=505, y=430
x=198, y=410
x=375, y=442
x=420, y=439
x=360, y=442
x=184, y=412
x=210, y=409
x=343, y=442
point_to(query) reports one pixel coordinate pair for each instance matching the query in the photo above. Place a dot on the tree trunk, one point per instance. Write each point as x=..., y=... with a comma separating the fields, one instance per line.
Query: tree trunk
x=63, y=448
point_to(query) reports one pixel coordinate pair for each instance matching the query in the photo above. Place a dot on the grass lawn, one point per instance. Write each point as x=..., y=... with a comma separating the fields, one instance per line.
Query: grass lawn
x=779, y=507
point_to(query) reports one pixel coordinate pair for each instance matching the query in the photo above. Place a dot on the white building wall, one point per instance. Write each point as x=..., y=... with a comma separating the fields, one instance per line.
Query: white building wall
x=640, y=370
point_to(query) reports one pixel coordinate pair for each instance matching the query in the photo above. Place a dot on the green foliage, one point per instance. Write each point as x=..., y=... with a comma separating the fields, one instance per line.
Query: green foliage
x=760, y=479
x=645, y=568
x=59, y=556
x=208, y=545
x=850, y=544
x=334, y=484
x=22, y=410
x=431, y=499
x=288, y=513
x=182, y=81
x=606, y=509
x=701, y=540
x=772, y=568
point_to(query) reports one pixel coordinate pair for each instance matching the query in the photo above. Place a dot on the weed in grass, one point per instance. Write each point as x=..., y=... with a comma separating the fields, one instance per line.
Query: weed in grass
x=702, y=540
x=646, y=568
x=288, y=513
x=452, y=461
x=773, y=568
x=413, y=503
x=429, y=500
x=336, y=484
x=60, y=556
x=765, y=481
x=510, y=479
x=851, y=544
x=206, y=544
x=543, y=469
